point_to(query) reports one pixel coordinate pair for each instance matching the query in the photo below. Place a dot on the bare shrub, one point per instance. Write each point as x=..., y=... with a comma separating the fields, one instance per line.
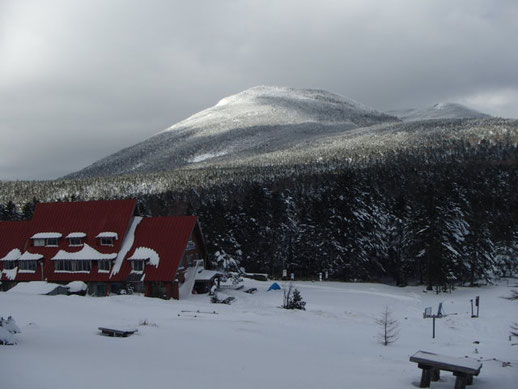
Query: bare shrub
x=389, y=328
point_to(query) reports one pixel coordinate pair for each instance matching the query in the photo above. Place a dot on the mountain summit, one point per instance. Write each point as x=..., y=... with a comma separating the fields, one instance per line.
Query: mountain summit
x=265, y=105
x=256, y=121
x=439, y=111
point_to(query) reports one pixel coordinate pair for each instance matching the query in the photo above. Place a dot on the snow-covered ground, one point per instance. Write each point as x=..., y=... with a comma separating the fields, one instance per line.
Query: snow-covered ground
x=253, y=343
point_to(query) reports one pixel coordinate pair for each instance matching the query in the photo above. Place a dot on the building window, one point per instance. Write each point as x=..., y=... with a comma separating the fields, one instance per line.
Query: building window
x=137, y=265
x=75, y=242
x=9, y=265
x=104, y=265
x=72, y=266
x=38, y=242
x=190, y=244
x=51, y=242
x=63, y=265
x=28, y=265
x=81, y=265
x=106, y=241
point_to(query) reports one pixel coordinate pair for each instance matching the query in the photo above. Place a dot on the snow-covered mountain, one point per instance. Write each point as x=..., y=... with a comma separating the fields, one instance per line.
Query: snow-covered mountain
x=254, y=122
x=438, y=111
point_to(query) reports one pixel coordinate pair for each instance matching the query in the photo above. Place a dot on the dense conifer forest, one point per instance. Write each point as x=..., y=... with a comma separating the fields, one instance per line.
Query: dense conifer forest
x=441, y=213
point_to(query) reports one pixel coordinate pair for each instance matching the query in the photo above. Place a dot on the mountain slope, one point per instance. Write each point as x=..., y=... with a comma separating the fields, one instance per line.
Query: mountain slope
x=254, y=122
x=439, y=111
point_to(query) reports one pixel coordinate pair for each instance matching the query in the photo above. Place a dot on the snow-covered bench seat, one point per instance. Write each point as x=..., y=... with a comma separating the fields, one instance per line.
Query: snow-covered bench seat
x=116, y=332
x=431, y=364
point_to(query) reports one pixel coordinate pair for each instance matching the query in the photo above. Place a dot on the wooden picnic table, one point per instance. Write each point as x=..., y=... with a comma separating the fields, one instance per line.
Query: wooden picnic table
x=431, y=364
x=117, y=332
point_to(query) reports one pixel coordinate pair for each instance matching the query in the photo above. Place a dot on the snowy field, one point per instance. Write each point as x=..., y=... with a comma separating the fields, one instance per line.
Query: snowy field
x=253, y=343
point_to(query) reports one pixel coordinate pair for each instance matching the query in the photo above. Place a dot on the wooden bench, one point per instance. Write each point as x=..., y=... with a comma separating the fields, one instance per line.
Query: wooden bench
x=431, y=364
x=115, y=332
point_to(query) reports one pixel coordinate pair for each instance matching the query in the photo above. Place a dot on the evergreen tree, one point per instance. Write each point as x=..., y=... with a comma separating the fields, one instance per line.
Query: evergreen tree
x=28, y=209
x=10, y=212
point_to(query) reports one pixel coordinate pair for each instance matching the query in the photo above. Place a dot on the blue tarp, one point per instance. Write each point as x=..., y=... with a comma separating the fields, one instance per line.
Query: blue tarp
x=274, y=286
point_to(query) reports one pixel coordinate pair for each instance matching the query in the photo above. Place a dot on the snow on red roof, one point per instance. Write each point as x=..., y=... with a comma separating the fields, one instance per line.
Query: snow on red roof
x=46, y=235
x=88, y=217
x=126, y=247
x=160, y=241
x=167, y=237
x=86, y=252
x=12, y=255
x=108, y=234
x=76, y=235
x=145, y=254
x=28, y=256
x=13, y=235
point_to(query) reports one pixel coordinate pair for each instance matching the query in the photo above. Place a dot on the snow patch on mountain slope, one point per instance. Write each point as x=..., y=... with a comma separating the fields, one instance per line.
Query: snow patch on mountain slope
x=207, y=156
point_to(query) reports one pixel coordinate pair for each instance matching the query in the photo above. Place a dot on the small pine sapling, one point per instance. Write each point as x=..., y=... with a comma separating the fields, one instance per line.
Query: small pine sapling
x=293, y=299
x=389, y=328
x=296, y=301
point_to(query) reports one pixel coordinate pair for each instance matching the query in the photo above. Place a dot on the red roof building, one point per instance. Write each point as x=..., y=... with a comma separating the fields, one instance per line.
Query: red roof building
x=104, y=244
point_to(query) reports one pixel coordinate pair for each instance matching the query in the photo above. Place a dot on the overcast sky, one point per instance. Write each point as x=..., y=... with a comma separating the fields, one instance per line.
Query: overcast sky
x=80, y=80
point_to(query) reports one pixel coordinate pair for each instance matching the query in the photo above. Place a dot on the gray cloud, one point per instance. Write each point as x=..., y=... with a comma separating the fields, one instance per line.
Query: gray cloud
x=82, y=79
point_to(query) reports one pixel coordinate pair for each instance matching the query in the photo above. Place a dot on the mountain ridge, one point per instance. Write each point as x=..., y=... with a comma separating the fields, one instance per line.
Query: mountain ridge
x=446, y=110
x=257, y=120
x=260, y=124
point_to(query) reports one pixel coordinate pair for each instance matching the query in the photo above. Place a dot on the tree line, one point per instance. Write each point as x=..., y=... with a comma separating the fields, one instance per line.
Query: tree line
x=439, y=216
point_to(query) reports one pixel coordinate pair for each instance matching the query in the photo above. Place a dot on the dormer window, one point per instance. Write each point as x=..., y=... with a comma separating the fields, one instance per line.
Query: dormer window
x=9, y=265
x=75, y=239
x=107, y=238
x=48, y=239
x=38, y=242
x=106, y=241
x=137, y=265
x=75, y=242
x=52, y=242
x=141, y=257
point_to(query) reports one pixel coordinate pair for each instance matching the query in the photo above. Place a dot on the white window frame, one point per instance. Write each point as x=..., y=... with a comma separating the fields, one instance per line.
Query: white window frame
x=30, y=265
x=39, y=242
x=138, y=265
x=48, y=244
x=84, y=266
x=107, y=241
x=102, y=263
x=9, y=265
x=72, y=244
x=81, y=266
x=62, y=265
